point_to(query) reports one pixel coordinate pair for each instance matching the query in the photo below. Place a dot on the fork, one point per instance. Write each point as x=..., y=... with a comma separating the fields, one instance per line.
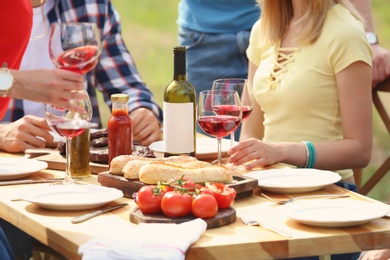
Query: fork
x=324, y=196
x=249, y=220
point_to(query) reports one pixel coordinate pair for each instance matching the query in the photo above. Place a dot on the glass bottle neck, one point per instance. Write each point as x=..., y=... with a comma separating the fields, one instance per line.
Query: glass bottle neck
x=179, y=66
x=119, y=106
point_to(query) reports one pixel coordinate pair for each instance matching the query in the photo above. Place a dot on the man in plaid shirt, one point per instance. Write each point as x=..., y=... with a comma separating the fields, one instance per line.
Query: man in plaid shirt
x=115, y=73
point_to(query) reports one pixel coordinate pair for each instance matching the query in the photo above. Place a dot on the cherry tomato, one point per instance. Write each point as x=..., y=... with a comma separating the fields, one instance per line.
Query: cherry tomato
x=204, y=206
x=205, y=190
x=181, y=182
x=149, y=199
x=175, y=204
x=224, y=195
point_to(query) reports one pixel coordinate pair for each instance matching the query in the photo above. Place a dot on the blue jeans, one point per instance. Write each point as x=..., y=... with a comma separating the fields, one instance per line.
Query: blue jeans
x=6, y=252
x=214, y=56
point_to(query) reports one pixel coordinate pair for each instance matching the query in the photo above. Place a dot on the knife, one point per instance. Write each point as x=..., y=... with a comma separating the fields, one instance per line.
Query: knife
x=16, y=182
x=84, y=217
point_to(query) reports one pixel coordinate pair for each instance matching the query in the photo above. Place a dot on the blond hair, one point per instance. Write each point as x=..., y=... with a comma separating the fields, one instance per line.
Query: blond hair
x=277, y=14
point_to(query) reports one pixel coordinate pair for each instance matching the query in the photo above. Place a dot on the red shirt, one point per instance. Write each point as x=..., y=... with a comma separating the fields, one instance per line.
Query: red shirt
x=15, y=27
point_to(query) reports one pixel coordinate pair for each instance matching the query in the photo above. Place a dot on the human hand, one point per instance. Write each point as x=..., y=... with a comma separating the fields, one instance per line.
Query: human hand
x=25, y=133
x=146, y=127
x=380, y=64
x=383, y=254
x=262, y=154
x=51, y=86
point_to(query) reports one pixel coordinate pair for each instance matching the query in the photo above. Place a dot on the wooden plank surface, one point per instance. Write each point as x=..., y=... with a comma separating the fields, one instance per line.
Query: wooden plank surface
x=233, y=241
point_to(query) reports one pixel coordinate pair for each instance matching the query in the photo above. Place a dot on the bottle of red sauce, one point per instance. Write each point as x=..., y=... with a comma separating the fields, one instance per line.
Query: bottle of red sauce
x=120, y=128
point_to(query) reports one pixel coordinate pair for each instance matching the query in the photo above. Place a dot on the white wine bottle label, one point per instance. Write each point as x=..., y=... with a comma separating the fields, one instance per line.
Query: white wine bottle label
x=178, y=127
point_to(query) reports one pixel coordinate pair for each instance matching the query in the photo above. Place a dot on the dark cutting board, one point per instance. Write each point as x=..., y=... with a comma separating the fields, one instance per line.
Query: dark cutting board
x=244, y=186
x=223, y=217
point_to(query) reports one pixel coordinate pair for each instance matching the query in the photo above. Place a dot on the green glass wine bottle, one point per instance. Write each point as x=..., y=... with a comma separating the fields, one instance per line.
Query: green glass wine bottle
x=179, y=110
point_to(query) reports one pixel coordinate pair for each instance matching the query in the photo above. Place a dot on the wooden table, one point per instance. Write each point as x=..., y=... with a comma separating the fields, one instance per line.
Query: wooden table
x=234, y=241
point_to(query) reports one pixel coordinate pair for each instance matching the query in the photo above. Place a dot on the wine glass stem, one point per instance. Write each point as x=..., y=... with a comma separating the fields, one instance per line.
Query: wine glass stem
x=232, y=139
x=68, y=178
x=219, y=151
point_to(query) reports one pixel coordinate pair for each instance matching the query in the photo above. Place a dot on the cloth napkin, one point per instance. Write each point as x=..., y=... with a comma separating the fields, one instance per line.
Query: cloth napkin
x=149, y=241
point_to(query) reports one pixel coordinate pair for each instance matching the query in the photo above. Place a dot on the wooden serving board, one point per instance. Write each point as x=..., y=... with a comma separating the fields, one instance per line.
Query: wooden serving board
x=56, y=161
x=223, y=217
x=244, y=186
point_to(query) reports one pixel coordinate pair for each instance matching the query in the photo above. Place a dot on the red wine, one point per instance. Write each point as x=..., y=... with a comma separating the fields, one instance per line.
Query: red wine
x=81, y=59
x=219, y=126
x=68, y=132
x=232, y=110
x=246, y=111
x=228, y=110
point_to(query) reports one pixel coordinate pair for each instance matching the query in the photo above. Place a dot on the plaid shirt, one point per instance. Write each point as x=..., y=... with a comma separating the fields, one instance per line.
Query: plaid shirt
x=115, y=72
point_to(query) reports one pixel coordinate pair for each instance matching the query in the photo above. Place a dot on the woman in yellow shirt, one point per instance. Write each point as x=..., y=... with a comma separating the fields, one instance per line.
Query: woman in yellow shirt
x=310, y=67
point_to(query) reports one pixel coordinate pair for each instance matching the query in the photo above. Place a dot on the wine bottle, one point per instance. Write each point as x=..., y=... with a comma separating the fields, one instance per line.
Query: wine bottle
x=179, y=110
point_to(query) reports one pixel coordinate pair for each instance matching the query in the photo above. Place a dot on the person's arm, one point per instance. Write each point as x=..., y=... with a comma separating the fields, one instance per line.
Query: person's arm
x=381, y=56
x=116, y=73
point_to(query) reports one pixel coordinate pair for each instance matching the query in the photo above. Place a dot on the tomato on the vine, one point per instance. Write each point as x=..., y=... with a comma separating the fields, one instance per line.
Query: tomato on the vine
x=175, y=204
x=204, y=206
x=204, y=190
x=224, y=194
x=149, y=199
x=180, y=182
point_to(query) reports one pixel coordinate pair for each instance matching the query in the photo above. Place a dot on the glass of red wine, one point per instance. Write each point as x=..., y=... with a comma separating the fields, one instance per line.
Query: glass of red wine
x=69, y=124
x=244, y=90
x=219, y=114
x=75, y=47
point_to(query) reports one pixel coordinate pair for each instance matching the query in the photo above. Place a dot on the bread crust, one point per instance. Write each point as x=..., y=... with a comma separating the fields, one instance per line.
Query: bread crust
x=118, y=163
x=161, y=171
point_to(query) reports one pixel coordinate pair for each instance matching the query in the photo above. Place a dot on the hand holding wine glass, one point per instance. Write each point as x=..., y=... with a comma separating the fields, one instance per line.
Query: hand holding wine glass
x=244, y=90
x=219, y=114
x=75, y=47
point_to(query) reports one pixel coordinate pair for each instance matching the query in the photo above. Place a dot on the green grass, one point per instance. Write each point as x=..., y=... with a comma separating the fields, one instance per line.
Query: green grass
x=150, y=32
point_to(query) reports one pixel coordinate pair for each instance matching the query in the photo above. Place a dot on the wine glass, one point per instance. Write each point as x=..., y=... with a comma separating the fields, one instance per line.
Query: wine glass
x=219, y=114
x=69, y=124
x=244, y=90
x=75, y=47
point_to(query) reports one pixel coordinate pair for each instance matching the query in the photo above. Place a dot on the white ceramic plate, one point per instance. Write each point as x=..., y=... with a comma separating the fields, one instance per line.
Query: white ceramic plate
x=71, y=197
x=335, y=213
x=291, y=180
x=15, y=168
x=206, y=148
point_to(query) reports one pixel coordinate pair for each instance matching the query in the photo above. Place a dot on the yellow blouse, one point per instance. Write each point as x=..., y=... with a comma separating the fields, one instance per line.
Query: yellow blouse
x=298, y=91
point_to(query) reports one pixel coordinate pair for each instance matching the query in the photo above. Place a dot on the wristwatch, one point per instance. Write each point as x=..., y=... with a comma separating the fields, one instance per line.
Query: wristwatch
x=6, y=80
x=372, y=38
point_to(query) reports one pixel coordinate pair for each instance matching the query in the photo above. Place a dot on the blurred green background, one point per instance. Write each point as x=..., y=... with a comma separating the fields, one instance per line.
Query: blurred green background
x=150, y=32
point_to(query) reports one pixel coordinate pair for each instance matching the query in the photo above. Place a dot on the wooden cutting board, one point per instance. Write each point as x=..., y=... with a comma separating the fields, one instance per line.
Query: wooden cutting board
x=56, y=161
x=244, y=186
x=223, y=217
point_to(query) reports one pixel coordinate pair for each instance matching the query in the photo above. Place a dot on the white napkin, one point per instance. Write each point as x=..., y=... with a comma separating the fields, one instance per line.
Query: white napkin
x=149, y=241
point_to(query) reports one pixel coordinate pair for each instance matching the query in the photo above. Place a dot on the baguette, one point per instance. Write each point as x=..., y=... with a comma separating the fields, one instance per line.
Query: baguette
x=132, y=168
x=118, y=163
x=159, y=171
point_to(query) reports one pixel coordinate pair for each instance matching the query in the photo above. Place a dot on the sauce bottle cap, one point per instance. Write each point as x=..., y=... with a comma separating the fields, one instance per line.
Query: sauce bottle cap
x=119, y=98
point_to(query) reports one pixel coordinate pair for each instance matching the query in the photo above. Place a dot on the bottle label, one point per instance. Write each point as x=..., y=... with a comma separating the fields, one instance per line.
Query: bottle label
x=179, y=127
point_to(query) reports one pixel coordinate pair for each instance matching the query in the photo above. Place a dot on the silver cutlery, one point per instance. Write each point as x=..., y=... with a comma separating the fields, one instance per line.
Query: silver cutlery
x=16, y=182
x=325, y=196
x=248, y=219
x=95, y=213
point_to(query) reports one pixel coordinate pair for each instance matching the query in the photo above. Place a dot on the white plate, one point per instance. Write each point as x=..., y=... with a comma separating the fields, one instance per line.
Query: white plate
x=71, y=197
x=205, y=147
x=291, y=180
x=15, y=168
x=335, y=213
